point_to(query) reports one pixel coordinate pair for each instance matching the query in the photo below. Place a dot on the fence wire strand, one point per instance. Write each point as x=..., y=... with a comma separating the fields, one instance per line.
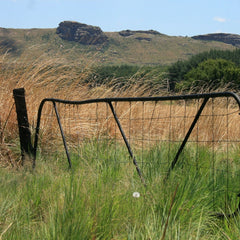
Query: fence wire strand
x=154, y=130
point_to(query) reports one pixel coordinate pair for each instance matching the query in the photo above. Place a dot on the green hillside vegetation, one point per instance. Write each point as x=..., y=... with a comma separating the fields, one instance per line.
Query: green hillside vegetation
x=153, y=78
x=134, y=50
x=212, y=74
x=209, y=70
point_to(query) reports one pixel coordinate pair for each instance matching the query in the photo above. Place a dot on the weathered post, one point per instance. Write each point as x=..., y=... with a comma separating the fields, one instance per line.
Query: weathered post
x=23, y=124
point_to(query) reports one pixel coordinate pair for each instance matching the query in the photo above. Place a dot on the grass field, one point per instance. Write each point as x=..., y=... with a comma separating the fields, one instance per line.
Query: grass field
x=94, y=200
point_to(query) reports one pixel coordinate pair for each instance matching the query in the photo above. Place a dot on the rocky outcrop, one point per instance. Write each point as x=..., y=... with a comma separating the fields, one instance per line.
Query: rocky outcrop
x=143, y=38
x=82, y=33
x=126, y=33
x=8, y=45
x=233, y=39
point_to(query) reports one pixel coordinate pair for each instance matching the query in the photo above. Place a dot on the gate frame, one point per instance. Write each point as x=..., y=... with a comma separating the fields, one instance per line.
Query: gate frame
x=204, y=96
x=29, y=149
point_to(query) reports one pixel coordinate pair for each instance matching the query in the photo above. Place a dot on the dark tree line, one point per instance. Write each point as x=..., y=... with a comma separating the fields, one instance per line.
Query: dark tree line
x=213, y=69
x=205, y=71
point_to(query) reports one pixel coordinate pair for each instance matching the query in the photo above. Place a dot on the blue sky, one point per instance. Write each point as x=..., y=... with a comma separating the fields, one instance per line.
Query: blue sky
x=172, y=17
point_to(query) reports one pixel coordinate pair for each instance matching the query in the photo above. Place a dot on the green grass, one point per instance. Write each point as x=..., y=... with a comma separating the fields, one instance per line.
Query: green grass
x=94, y=200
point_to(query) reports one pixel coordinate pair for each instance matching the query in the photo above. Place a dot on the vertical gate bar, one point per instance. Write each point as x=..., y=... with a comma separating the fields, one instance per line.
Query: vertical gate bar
x=107, y=127
x=97, y=129
x=187, y=136
x=143, y=118
x=213, y=153
x=37, y=133
x=197, y=139
x=227, y=193
x=63, y=137
x=129, y=119
x=185, y=117
x=78, y=132
x=169, y=130
x=126, y=143
x=115, y=137
x=151, y=120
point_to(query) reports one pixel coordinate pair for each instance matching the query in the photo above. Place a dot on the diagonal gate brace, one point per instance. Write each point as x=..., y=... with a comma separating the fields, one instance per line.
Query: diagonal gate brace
x=127, y=143
x=187, y=136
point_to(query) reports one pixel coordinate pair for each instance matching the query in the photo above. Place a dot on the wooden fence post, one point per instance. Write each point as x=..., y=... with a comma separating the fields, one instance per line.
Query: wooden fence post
x=23, y=124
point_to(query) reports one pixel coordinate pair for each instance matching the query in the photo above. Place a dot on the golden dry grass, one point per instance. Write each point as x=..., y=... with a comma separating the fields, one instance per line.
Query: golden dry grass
x=142, y=122
x=150, y=121
x=44, y=78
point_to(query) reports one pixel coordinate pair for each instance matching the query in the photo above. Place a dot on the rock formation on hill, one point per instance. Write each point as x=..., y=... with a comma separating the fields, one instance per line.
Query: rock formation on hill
x=8, y=45
x=126, y=33
x=233, y=39
x=82, y=33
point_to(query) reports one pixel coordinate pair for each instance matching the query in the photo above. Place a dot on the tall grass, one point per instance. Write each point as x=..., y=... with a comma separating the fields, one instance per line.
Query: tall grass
x=43, y=78
x=95, y=199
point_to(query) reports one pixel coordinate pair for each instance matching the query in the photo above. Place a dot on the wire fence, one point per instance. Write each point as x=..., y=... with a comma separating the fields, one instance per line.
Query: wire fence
x=176, y=134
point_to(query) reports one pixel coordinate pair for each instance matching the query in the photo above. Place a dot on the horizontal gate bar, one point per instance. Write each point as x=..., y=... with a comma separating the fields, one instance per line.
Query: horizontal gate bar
x=127, y=99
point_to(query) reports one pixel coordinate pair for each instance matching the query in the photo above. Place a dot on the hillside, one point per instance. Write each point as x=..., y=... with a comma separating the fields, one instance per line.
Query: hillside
x=128, y=47
x=232, y=39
